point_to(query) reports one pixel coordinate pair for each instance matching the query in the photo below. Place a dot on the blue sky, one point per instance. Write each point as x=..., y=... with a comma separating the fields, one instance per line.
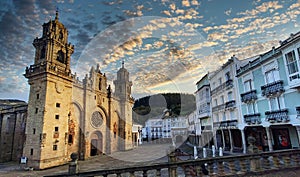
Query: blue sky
x=167, y=45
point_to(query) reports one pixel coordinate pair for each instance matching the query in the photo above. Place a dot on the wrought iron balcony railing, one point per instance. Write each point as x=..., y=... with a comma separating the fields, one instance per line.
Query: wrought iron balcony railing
x=218, y=108
x=252, y=118
x=230, y=104
x=298, y=110
x=249, y=96
x=277, y=115
x=272, y=88
x=228, y=84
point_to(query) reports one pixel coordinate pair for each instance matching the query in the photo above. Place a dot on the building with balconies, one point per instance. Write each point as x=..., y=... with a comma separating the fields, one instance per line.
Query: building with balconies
x=269, y=90
x=203, y=122
x=224, y=112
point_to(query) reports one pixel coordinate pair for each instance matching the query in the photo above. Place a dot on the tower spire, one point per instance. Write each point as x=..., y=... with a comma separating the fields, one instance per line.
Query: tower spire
x=56, y=14
x=122, y=63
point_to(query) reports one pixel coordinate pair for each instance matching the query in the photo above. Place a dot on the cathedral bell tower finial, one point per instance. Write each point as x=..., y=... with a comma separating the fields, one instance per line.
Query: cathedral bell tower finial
x=56, y=14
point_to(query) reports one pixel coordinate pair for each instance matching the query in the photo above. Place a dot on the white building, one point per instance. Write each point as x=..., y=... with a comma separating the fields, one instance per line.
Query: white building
x=166, y=127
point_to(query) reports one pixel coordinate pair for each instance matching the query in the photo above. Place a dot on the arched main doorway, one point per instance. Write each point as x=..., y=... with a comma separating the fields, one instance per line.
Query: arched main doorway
x=96, y=143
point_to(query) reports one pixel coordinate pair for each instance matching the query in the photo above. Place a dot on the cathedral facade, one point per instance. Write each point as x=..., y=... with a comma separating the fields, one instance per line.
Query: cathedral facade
x=66, y=115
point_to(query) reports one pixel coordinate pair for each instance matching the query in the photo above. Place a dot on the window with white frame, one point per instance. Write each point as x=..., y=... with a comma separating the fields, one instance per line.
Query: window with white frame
x=272, y=76
x=232, y=115
x=248, y=85
x=229, y=95
x=275, y=103
x=292, y=66
x=251, y=108
x=216, y=117
x=216, y=102
x=224, y=116
x=222, y=99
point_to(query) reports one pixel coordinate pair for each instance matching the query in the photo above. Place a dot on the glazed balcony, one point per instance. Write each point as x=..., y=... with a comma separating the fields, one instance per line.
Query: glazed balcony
x=218, y=108
x=249, y=96
x=230, y=104
x=252, y=118
x=273, y=88
x=277, y=116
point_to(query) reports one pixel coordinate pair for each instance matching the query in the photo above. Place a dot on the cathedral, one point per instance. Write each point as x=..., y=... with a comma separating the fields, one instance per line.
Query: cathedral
x=66, y=115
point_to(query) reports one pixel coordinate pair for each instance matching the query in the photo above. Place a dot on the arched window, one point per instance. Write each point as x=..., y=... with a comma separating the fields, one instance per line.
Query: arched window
x=43, y=53
x=61, y=56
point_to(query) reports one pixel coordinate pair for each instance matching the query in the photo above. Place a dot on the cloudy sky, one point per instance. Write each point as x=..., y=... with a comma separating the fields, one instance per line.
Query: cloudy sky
x=167, y=45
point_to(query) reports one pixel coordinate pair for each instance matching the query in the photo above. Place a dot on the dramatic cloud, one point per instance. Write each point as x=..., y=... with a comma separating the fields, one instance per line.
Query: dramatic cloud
x=166, y=45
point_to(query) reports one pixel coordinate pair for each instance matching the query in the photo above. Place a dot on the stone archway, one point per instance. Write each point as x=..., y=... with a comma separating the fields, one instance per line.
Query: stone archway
x=96, y=144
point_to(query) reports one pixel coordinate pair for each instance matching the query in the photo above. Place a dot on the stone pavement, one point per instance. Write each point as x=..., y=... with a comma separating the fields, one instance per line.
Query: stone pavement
x=145, y=154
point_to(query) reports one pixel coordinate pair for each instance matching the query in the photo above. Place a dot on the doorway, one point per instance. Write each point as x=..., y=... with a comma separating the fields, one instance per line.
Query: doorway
x=96, y=144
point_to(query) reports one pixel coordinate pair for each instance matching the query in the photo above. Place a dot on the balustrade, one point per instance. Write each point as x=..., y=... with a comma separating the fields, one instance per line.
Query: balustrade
x=277, y=116
x=264, y=162
x=230, y=104
x=249, y=96
x=218, y=108
x=272, y=88
x=252, y=118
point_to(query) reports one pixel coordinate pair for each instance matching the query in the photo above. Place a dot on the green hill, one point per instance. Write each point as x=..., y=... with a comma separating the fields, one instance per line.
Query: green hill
x=154, y=105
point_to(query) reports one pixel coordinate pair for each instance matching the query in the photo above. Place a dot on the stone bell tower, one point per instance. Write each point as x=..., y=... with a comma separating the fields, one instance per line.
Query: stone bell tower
x=123, y=93
x=50, y=98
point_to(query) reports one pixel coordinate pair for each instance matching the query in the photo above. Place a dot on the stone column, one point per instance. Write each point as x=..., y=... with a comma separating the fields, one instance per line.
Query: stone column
x=172, y=158
x=269, y=139
x=223, y=139
x=244, y=141
x=252, y=149
x=231, y=140
x=73, y=167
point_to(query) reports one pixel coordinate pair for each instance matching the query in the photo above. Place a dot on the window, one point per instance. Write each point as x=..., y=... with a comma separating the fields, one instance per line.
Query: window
x=222, y=99
x=56, y=116
x=43, y=52
x=100, y=82
x=248, y=85
x=36, y=110
x=216, y=117
x=227, y=76
x=229, y=95
x=61, y=56
x=292, y=66
x=33, y=131
x=216, y=102
x=224, y=116
x=274, y=103
x=31, y=151
x=70, y=139
x=56, y=129
x=272, y=76
x=251, y=108
x=58, y=105
x=232, y=115
x=37, y=96
x=54, y=147
x=220, y=81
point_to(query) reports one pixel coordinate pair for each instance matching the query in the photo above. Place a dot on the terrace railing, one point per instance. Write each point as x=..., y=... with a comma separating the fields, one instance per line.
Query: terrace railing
x=237, y=165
